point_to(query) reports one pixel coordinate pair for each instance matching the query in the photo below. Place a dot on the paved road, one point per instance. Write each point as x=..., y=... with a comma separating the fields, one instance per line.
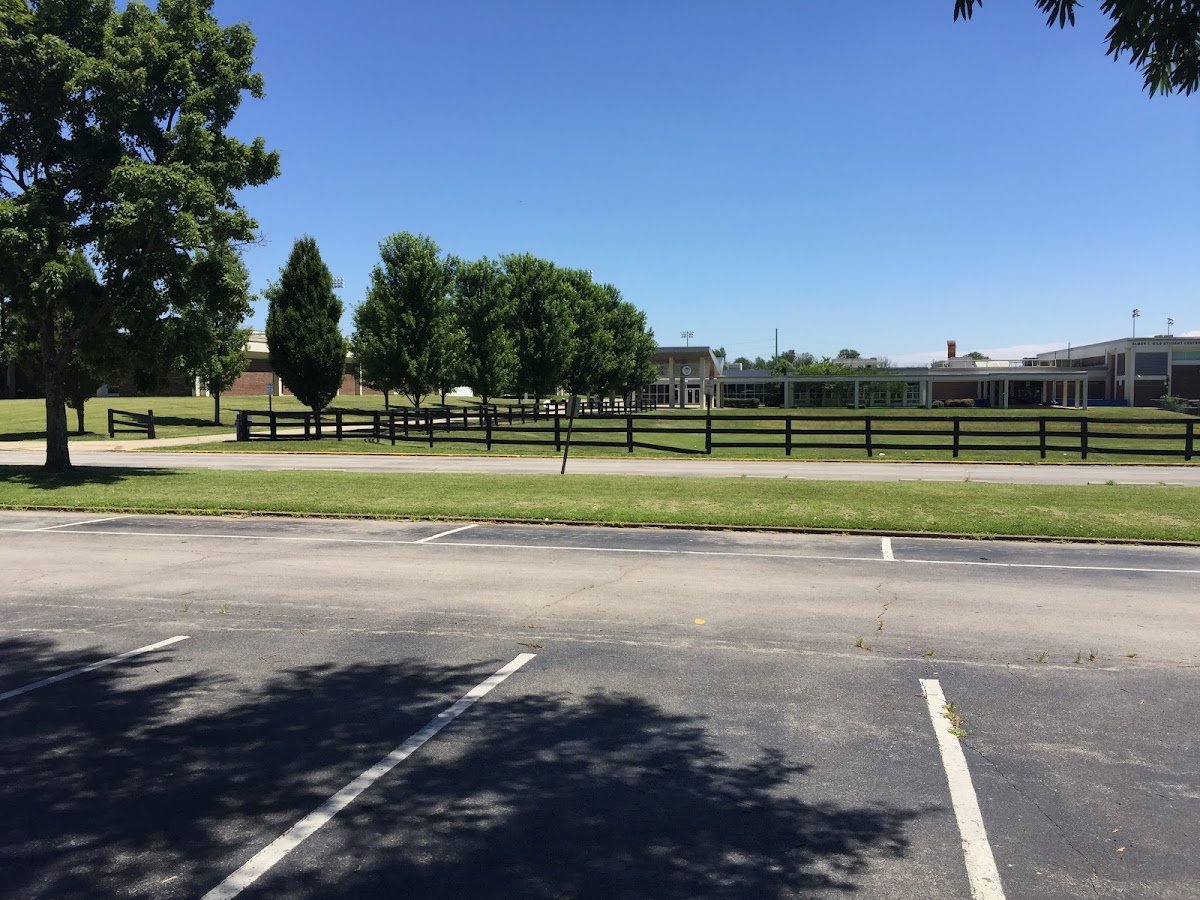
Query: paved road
x=697, y=468
x=698, y=715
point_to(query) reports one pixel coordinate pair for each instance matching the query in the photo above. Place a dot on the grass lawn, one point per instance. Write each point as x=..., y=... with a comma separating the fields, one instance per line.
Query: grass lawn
x=1096, y=511
x=192, y=416
x=675, y=429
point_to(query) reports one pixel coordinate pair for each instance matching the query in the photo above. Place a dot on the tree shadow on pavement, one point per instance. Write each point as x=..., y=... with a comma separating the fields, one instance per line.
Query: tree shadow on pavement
x=145, y=781
x=34, y=477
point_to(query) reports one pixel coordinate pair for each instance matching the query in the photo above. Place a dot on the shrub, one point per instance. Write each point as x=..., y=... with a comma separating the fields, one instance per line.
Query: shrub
x=958, y=404
x=938, y=404
x=1173, y=404
x=742, y=403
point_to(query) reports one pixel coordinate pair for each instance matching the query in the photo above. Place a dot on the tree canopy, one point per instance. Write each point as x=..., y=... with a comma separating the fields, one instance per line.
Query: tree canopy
x=306, y=344
x=484, y=307
x=113, y=145
x=1162, y=37
x=406, y=336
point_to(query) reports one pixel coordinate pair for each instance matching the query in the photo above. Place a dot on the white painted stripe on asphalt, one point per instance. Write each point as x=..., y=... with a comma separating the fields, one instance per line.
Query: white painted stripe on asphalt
x=434, y=537
x=262, y=861
x=586, y=549
x=77, y=524
x=91, y=667
x=981, y=865
x=886, y=544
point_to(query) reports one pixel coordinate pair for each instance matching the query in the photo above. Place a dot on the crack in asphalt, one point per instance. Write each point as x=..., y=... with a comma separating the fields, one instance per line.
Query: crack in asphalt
x=1028, y=798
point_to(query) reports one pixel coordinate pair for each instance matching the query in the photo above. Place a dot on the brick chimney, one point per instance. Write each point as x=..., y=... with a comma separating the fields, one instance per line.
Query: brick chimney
x=951, y=349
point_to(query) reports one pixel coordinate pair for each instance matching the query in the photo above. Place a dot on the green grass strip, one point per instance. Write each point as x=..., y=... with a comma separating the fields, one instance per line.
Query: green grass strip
x=1141, y=512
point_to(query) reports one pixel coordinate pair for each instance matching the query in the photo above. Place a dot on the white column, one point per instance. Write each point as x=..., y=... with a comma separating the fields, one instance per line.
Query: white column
x=856, y=387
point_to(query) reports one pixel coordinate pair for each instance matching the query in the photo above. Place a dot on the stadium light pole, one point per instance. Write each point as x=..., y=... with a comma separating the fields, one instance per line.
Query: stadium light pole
x=687, y=337
x=1170, y=322
x=1136, y=313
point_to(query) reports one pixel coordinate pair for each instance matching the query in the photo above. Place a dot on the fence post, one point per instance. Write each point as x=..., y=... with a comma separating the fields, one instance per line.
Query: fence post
x=557, y=436
x=629, y=433
x=1042, y=436
x=392, y=428
x=307, y=424
x=1083, y=438
x=867, y=435
x=1188, y=440
x=787, y=436
x=429, y=426
x=375, y=425
x=405, y=423
x=337, y=424
x=708, y=432
x=488, y=420
x=150, y=424
x=241, y=427
x=112, y=431
x=274, y=426
x=957, y=435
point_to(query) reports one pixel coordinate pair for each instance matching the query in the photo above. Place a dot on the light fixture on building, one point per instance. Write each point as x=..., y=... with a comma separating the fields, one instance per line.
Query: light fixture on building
x=687, y=337
x=1136, y=314
x=1170, y=322
x=337, y=284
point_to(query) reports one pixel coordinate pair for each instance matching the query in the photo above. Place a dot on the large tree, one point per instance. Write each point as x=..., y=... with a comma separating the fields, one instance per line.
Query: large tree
x=1162, y=37
x=405, y=332
x=113, y=144
x=484, y=308
x=545, y=331
x=303, y=334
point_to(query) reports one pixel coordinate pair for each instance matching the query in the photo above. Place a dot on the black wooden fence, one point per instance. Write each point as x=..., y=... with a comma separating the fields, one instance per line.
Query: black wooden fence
x=122, y=421
x=702, y=433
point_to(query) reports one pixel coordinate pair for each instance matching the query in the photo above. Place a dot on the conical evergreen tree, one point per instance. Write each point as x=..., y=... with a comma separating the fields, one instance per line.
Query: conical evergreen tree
x=307, y=348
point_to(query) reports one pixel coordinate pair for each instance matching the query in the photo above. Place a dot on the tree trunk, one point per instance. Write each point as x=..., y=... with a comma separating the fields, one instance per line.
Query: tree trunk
x=316, y=422
x=79, y=419
x=58, y=456
x=216, y=408
x=443, y=397
x=385, y=400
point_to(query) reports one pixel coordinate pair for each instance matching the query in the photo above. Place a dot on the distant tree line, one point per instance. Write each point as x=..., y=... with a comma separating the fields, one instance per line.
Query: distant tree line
x=431, y=321
x=789, y=362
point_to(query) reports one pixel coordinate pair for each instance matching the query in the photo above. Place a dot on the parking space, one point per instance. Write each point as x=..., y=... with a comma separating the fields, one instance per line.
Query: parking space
x=728, y=717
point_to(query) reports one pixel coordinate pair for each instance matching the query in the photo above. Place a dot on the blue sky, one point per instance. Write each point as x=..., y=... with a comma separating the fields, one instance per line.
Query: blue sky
x=870, y=175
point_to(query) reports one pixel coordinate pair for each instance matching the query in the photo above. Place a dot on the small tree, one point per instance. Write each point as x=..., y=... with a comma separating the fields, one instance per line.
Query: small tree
x=545, y=331
x=848, y=353
x=306, y=345
x=212, y=341
x=592, y=356
x=405, y=332
x=634, y=345
x=484, y=309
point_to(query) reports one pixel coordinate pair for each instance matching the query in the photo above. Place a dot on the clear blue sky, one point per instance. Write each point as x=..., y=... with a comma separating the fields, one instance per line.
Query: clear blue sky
x=870, y=175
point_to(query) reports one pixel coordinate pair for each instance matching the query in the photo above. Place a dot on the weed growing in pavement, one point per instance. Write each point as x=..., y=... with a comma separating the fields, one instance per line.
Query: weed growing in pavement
x=1131, y=656
x=928, y=654
x=957, y=724
x=1092, y=656
x=1041, y=657
x=184, y=607
x=223, y=608
x=861, y=644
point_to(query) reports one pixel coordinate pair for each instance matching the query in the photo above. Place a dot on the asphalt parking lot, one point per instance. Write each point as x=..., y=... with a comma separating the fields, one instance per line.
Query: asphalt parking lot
x=199, y=707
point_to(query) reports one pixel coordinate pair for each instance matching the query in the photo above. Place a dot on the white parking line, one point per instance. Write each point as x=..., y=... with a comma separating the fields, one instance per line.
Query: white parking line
x=91, y=667
x=434, y=537
x=981, y=865
x=886, y=544
x=77, y=524
x=262, y=861
x=586, y=549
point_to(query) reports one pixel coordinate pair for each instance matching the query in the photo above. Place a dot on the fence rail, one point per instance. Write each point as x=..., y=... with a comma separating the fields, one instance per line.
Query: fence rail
x=122, y=421
x=491, y=426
